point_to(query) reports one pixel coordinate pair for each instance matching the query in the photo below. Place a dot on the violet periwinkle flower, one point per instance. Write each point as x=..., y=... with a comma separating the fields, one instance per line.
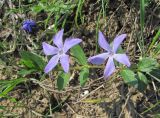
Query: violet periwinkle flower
x=59, y=52
x=29, y=25
x=110, y=54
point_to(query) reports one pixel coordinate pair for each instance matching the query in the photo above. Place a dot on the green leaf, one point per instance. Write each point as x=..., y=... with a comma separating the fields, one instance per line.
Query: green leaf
x=156, y=73
x=44, y=1
x=2, y=107
x=142, y=13
x=142, y=81
x=62, y=80
x=27, y=63
x=155, y=39
x=147, y=64
x=83, y=77
x=37, y=8
x=34, y=59
x=7, y=85
x=139, y=80
x=79, y=54
x=25, y=72
x=2, y=64
x=157, y=49
x=129, y=77
x=157, y=115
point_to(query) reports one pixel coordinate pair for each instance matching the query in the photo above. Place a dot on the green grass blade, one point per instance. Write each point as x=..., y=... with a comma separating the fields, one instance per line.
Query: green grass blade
x=79, y=11
x=142, y=16
x=156, y=37
x=142, y=13
x=97, y=29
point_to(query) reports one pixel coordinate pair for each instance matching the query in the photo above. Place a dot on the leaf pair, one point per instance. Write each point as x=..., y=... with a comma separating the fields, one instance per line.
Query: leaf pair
x=7, y=85
x=79, y=54
x=138, y=79
x=81, y=59
x=32, y=62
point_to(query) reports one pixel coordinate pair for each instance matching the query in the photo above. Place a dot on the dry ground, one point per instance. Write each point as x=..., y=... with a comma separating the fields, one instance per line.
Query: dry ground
x=98, y=98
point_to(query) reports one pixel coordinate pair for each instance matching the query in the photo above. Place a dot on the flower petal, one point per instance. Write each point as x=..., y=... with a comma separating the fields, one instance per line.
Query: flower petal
x=117, y=41
x=122, y=58
x=28, y=25
x=51, y=64
x=103, y=43
x=29, y=22
x=69, y=43
x=110, y=68
x=49, y=49
x=24, y=27
x=29, y=29
x=64, y=60
x=57, y=39
x=98, y=59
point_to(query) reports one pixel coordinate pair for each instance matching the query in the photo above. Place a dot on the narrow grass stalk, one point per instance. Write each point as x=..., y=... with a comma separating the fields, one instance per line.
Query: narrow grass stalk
x=153, y=76
x=153, y=106
x=142, y=13
x=142, y=16
x=97, y=28
x=103, y=8
x=156, y=37
x=79, y=11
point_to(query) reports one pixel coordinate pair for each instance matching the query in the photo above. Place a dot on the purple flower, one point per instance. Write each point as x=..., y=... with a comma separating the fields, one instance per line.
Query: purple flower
x=110, y=54
x=29, y=25
x=59, y=52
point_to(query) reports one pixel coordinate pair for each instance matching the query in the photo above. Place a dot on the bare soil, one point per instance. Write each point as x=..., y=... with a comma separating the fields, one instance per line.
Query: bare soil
x=99, y=98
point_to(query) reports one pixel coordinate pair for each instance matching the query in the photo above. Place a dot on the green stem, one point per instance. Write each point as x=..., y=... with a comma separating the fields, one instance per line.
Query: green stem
x=153, y=106
x=142, y=15
x=97, y=29
x=153, y=76
x=156, y=37
x=85, y=66
x=81, y=67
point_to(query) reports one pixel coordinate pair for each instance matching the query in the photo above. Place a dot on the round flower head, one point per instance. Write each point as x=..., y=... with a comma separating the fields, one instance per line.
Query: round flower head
x=29, y=25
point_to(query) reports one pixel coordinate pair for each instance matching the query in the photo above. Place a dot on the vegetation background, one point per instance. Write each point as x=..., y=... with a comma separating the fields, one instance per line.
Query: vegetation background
x=25, y=91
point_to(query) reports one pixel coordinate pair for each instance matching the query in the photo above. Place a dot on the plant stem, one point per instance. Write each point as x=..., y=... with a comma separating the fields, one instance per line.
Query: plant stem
x=155, y=38
x=142, y=22
x=85, y=66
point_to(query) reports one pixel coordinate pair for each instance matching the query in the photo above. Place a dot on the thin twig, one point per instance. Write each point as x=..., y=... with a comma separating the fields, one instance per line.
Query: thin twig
x=124, y=106
x=102, y=86
x=71, y=108
x=37, y=114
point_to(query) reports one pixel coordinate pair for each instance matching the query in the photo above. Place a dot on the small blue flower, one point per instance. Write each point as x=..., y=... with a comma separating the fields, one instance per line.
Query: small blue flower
x=29, y=25
x=110, y=54
x=60, y=52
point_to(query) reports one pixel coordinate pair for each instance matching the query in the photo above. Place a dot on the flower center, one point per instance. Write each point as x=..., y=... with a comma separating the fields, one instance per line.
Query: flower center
x=60, y=52
x=111, y=53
